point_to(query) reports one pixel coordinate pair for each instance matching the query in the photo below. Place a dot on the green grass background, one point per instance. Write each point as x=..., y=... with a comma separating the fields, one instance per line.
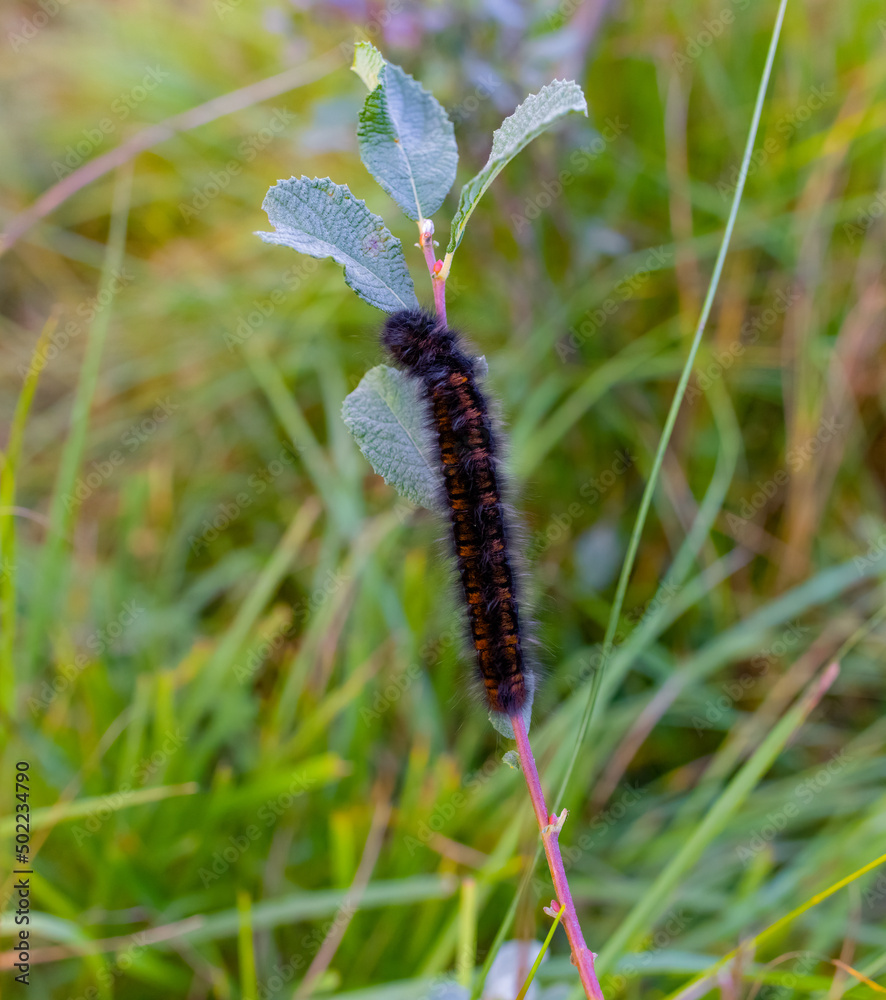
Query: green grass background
x=227, y=645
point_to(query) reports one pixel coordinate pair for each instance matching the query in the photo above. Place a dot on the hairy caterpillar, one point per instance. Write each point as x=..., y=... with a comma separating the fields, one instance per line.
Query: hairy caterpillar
x=434, y=355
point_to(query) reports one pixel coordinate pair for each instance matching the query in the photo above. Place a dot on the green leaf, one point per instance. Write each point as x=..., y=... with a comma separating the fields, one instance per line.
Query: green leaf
x=368, y=63
x=407, y=141
x=323, y=219
x=385, y=413
x=535, y=114
x=502, y=724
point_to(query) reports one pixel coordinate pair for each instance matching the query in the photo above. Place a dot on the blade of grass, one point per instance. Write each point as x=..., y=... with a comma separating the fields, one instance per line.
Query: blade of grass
x=646, y=501
x=726, y=805
x=362, y=549
x=318, y=722
x=266, y=915
x=742, y=639
x=51, y=815
x=323, y=903
x=467, y=933
x=634, y=363
x=7, y=521
x=246, y=948
x=288, y=412
x=861, y=633
x=232, y=642
x=497, y=868
x=52, y=572
x=544, y=950
x=782, y=922
x=746, y=636
x=712, y=502
x=860, y=976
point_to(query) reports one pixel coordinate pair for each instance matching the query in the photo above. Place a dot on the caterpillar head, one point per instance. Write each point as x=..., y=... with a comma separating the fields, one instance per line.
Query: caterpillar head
x=415, y=338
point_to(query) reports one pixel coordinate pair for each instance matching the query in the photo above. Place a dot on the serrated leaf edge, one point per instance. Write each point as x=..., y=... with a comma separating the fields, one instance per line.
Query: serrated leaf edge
x=268, y=237
x=459, y=224
x=349, y=423
x=381, y=183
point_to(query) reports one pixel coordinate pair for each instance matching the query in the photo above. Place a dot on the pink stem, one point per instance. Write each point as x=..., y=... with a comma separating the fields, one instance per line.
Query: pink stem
x=550, y=826
x=440, y=297
x=426, y=242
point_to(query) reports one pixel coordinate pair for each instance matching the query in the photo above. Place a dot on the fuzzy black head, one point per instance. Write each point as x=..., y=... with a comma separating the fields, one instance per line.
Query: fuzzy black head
x=415, y=338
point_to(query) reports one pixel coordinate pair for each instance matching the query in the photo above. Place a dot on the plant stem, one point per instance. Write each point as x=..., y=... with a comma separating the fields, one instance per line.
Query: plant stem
x=438, y=282
x=440, y=297
x=550, y=827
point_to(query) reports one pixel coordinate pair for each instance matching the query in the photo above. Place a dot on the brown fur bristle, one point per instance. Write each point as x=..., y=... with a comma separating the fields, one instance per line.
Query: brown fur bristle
x=433, y=353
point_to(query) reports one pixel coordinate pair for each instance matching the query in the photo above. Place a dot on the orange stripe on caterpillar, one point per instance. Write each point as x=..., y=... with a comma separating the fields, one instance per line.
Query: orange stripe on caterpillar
x=433, y=354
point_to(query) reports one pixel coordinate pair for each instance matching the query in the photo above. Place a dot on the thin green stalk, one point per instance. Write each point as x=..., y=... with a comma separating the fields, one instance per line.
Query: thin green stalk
x=246, y=948
x=544, y=949
x=646, y=501
x=467, y=933
x=8, y=617
x=49, y=816
x=861, y=633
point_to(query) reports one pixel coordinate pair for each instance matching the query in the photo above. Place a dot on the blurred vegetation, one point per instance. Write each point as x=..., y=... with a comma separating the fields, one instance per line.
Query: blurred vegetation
x=225, y=653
